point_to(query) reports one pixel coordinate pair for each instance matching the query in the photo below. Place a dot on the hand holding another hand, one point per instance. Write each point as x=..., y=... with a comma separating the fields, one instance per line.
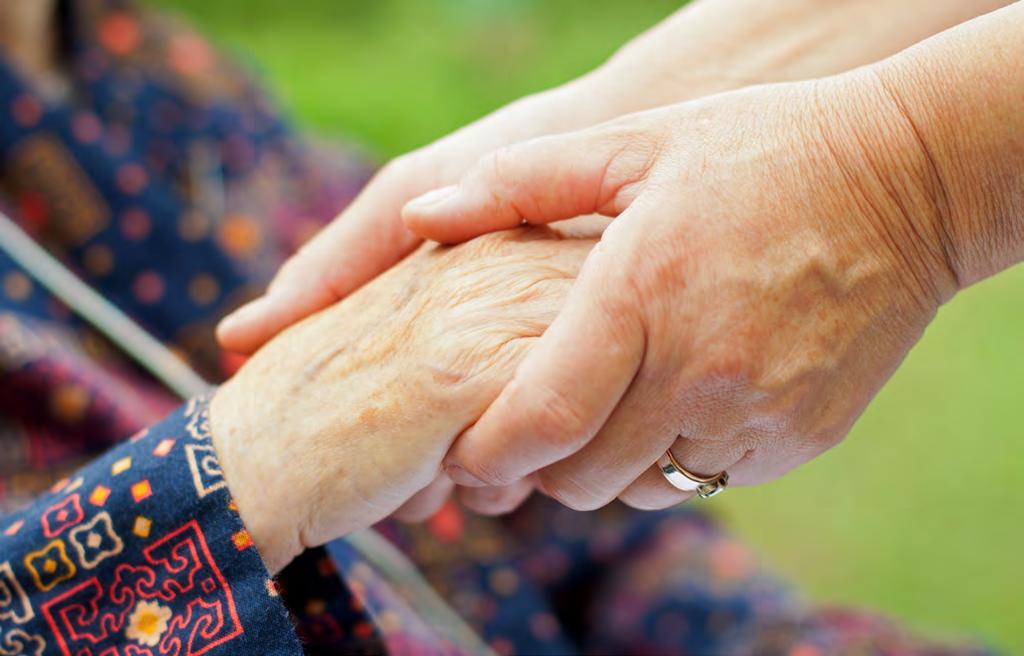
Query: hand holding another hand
x=338, y=420
x=773, y=259
x=806, y=266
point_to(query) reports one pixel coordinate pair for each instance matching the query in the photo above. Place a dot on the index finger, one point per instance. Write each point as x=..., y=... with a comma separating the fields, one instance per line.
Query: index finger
x=367, y=238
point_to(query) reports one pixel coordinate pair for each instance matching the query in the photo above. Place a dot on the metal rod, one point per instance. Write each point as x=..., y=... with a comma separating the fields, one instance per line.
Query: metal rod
x=101, y=313
x=183, y=381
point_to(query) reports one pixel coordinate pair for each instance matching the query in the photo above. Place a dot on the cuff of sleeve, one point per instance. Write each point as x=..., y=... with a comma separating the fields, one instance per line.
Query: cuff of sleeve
x=142, y=547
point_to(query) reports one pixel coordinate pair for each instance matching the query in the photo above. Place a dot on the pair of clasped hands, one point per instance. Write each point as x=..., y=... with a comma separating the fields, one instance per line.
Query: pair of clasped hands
x=767, y=256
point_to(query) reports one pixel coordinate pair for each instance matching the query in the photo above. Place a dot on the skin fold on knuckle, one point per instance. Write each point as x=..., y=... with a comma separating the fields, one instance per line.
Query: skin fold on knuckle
x=491, y=500
x=634, y=152
x=784, y=412
x=572, y=493
x=746, y=403
x=553, y=417
x=497, y=183
x=484, y=464
x=714, y=395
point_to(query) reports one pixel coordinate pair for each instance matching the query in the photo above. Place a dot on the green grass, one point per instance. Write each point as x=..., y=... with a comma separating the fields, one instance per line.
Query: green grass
x=919, y=513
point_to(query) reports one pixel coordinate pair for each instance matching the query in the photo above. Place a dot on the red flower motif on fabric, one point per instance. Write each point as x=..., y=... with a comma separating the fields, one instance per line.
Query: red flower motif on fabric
x=177, y=598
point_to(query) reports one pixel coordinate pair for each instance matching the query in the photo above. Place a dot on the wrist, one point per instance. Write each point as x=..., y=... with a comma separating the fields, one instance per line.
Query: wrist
x=894, y=187
x=973, y=142
x=241, y=462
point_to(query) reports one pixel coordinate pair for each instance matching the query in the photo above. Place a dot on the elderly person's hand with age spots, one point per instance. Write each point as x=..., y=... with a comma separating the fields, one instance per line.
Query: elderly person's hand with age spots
x=339, y=420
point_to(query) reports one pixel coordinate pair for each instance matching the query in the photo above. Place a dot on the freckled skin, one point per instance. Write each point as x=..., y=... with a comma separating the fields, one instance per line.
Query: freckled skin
x=345, y=415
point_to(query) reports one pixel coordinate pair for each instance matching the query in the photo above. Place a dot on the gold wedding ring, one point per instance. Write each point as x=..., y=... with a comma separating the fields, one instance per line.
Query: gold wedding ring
x=705, y=486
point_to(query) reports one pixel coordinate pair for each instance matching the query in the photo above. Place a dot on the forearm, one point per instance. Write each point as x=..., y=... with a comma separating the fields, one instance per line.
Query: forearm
x=718, y=45
x=961, y=94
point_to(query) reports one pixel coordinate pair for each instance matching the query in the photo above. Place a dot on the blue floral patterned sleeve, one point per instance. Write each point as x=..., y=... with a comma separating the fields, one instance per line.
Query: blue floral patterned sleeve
x=142, y=552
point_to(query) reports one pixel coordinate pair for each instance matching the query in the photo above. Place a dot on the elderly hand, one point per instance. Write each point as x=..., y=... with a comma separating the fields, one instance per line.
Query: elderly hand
x=336, y=422
x=776, y=252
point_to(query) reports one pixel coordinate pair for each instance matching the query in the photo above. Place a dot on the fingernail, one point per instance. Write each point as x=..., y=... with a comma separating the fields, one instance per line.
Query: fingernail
x=460, y=476
x=431, y=199
x=243, y=314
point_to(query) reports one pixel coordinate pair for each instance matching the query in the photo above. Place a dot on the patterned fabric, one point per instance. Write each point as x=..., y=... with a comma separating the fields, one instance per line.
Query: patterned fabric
x=168, y=182
x=106, y=562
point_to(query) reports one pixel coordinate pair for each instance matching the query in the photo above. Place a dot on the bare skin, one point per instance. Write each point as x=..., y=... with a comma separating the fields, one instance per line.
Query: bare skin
x=339, y=420
x=707, y=47
x=776, y=252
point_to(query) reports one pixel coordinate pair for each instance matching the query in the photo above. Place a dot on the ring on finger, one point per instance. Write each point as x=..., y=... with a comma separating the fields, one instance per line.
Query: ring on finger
x=687, y=481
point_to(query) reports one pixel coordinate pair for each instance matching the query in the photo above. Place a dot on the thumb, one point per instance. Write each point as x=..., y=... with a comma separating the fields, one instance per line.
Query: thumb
x=598, y=170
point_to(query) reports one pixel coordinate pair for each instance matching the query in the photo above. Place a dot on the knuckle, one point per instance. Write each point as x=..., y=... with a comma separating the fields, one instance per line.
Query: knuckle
x=486, y=470
x=634, y=152
x=497, y=165
x=491, y=501
x=558, y=420
x=291, y=270
x=636, y=149
x=500, y=173
x=400, y=168
x=571, y=493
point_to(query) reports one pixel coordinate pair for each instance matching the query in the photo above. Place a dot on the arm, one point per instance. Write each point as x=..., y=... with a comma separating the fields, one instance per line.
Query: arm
x=707, y=47
x=961, y=94
x=775, y=254
x=711, y=46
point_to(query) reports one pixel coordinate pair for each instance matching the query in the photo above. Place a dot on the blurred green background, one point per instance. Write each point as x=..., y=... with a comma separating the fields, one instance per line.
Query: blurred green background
x=918, y=514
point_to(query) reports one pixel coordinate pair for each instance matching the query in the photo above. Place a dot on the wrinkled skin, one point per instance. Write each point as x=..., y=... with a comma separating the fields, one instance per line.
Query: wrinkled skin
x=704, y=48
x=343, y=417
x=759, y=284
